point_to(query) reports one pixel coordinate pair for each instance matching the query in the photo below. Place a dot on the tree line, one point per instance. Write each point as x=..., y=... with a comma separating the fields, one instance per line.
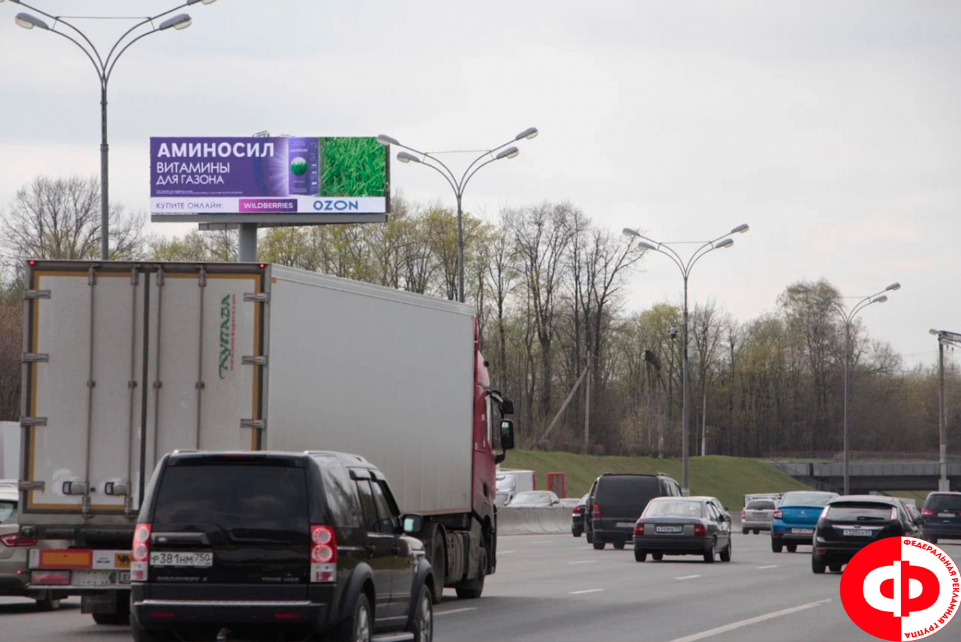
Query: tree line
x=547, y=284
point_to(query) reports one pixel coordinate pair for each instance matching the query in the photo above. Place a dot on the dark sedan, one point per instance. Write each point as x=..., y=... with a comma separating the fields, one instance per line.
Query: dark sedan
x=851, y=522
x=683, y=526
x=577, y=516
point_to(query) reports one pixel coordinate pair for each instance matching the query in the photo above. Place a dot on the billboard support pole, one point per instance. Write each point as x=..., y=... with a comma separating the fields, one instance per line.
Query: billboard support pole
x=248, y=243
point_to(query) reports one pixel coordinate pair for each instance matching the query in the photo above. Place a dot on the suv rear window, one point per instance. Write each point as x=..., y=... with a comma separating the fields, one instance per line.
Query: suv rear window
x=242, y=499
x=946, y=503
x=860, y=511
x=625, y=495
x=760, y=504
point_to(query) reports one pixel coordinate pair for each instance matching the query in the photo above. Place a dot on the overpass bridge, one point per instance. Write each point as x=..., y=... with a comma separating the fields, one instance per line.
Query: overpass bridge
x=873, y=471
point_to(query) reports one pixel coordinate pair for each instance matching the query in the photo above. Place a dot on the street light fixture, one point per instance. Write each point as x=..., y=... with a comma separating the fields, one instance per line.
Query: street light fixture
x=104, y=66
x=944, y=338
x=685, y=268
x=848, y=319
x=428, y=159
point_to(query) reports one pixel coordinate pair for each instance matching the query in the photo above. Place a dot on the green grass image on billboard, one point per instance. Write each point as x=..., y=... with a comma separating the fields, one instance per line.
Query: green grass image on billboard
x=352, y=167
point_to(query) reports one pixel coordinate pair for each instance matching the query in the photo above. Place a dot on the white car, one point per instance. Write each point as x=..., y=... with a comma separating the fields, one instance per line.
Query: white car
x=535, y=499
x=14, y=551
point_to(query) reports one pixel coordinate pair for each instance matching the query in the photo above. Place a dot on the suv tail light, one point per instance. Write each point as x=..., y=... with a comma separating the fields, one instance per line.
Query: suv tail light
x=596, y=511
x=927, y=512
x=323, y=554
x=699, y=530
x=140, y=556
x=638, y=529
x=13, y=540
x=778, y=514
x=577, y=510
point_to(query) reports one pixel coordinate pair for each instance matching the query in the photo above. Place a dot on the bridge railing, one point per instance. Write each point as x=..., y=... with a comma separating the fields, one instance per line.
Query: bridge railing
x=860, y=456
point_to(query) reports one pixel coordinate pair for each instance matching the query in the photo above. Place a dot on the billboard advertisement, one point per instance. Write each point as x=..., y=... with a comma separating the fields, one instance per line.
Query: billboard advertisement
x=272, y=180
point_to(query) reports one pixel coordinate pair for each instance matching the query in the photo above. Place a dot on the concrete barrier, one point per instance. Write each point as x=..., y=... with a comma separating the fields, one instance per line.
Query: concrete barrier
x=521, y=521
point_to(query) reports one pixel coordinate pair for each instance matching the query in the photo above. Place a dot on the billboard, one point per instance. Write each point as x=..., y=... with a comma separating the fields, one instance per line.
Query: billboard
x=273, y=180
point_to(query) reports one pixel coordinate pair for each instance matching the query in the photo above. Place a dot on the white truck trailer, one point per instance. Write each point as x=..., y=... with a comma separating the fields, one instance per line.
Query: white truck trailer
x=124, y=362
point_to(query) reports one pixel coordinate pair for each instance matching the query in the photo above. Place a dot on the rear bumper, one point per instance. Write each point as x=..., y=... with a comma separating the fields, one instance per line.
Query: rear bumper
x=672, y=545
x=785, y=534
x=947, y=531
x=837, y=552
x=752, y=525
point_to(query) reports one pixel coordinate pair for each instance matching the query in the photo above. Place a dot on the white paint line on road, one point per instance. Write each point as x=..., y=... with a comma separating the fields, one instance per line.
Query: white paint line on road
x=505, y=552
x=687, y=577
x=452, y=611
x=754, y=620
x=582, y=562
x=761, y=568
x=587, y=591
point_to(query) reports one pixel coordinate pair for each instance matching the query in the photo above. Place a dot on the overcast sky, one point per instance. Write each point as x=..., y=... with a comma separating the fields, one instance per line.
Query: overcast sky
x=832, y=128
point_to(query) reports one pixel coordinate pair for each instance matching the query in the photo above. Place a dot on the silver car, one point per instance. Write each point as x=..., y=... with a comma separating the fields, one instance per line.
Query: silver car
x=14, y=551
x=757, y=516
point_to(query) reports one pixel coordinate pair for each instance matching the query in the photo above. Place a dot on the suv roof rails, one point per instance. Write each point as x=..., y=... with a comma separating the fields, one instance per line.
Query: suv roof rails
x=337, y=454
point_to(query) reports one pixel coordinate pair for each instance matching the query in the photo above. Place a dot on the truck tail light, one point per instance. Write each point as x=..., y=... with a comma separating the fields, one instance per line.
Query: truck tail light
x=50, y=578
x=140, y=556
x=778, y=514
x=13, y=540
x=638, y=528
x=699, y=530
x=596, y=511
x=323, y=554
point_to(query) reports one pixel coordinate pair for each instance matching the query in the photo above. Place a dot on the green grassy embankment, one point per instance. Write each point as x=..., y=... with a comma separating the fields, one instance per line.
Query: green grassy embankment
x=727, y=478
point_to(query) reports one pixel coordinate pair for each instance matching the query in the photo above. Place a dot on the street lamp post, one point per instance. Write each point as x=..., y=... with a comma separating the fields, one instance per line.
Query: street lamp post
x=686, y=267
x=104, y=67
x=848, y=318
x=952, y=338
x=428, y=159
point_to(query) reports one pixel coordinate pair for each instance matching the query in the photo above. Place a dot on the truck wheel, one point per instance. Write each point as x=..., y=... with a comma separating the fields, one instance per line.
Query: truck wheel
x=47, y=603
x=438, y=561
x=359, y=626
x=422, y=624
x=472, y=589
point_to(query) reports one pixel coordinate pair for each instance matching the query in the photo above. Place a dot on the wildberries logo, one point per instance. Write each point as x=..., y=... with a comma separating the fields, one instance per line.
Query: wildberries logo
x=901, y=588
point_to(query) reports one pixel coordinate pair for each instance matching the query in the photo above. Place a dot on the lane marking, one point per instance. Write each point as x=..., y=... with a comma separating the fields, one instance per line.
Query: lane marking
x=452, y=611
x=582, y=562
x=754, y=620
x=505, y=552
x=761, y=568
x=587, y=591
x=687, y=577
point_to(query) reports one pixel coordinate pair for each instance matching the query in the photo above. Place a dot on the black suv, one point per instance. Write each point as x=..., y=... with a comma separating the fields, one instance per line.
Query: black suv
x=253, y=545
x=619, y=499
x=851, y=522
x=942, y=516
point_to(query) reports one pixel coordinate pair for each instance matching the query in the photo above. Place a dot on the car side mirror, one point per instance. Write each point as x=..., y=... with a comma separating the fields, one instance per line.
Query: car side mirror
x=507, y=434
x=413, y=523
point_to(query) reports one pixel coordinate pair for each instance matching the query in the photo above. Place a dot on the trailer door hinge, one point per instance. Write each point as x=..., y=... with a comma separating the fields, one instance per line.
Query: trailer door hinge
x=32, y=421
x=36, y=357
x=254, y=361
x=36, y=294
x=256, y=297
x=252, y=423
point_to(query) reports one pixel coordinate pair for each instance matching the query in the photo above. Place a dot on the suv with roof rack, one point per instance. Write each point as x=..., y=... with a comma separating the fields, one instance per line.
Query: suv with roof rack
x=255, y=544
x=619, y=499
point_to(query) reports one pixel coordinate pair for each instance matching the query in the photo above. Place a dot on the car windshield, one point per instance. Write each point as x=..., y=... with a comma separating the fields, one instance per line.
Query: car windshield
x=760, y=504
x=806, y=499
x=944, y=503
x=859, y=511
x=673, y=509
x=532, y=498
x=7, y=510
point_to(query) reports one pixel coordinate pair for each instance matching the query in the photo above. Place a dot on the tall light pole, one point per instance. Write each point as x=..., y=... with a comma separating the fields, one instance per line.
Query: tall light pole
x=429, y=159
x=848, y=318
x=952, y=338
x=104, y=67
x=685, y=267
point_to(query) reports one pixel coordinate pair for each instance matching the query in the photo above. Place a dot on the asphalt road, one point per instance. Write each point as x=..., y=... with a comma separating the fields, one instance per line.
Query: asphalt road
x=556, y=587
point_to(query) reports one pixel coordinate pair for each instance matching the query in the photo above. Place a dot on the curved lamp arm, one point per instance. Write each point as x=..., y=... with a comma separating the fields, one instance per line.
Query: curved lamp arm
x=97, y=67
x=80, y=33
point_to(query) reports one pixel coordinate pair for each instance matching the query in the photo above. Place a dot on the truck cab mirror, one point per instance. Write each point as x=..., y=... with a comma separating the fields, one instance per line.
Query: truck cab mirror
x=507, y=406
x=507, y=434
x=413, y=523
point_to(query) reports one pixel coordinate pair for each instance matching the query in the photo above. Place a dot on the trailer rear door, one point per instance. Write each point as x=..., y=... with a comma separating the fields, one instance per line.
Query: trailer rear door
x=125, y=362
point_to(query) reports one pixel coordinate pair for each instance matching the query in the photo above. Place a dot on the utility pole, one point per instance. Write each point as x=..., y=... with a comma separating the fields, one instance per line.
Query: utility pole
x=953, y=338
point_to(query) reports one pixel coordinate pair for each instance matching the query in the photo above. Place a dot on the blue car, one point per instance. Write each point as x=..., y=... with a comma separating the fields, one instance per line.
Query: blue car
x=795, y=517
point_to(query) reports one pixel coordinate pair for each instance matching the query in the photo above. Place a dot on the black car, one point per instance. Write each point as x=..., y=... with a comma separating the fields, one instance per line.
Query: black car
x=577, y=516
x=683, y=526
x=942, y=516
x=619, y=499
x=851, y=522
x=250, y=545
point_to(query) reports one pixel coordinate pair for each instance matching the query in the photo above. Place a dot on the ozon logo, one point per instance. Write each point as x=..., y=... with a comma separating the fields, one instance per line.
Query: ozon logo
x=901, y=588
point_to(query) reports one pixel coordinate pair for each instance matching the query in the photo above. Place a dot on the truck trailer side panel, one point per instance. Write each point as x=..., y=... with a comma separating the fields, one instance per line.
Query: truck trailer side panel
x=386, y=374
